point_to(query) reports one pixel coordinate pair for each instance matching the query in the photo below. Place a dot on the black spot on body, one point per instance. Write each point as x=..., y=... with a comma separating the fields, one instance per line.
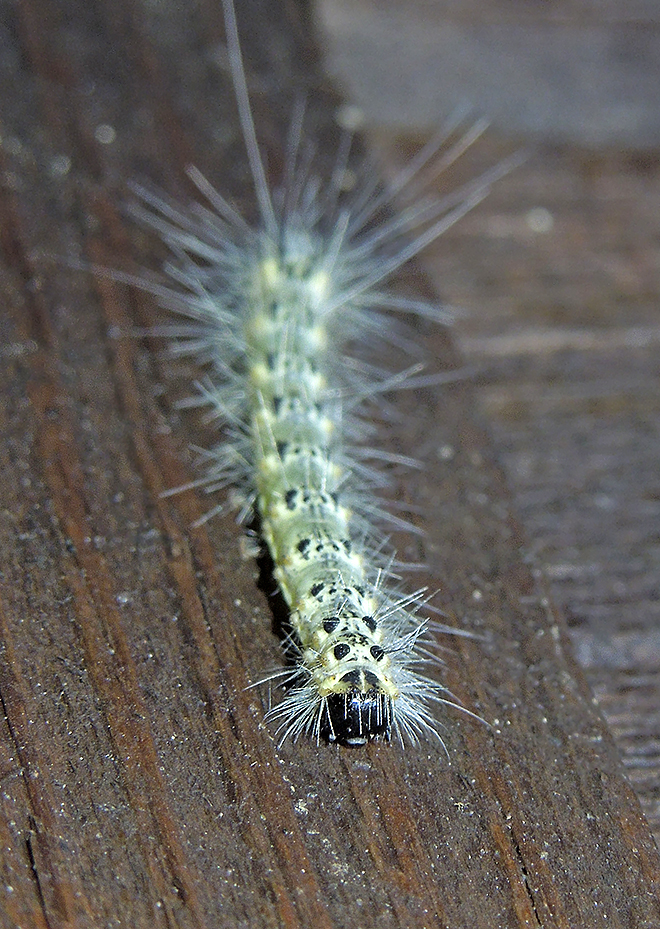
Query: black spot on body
x=370, y=623
x=330, y=624
x=377, y=653
x=341, y=651
x=290, y=498
x=316, y=590
x=361, y=679
x=303, y=545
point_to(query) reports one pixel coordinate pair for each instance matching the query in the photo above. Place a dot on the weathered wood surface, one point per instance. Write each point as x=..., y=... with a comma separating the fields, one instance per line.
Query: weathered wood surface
x=567, y=347
x=557, y=277
x=139, y=785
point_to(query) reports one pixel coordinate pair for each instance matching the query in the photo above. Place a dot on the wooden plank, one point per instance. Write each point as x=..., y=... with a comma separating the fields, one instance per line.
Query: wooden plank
x=556, y=278
x=140, y=785
x=566, y=345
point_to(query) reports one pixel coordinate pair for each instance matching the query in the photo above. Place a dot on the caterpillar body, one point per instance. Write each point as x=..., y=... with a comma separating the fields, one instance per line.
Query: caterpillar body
x=265, y=309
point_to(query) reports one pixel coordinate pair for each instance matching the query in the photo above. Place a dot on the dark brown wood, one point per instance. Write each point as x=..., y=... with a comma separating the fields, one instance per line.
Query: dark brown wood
x=566, y=341
x=557, y=280
x=139, y=783
x=560, y=319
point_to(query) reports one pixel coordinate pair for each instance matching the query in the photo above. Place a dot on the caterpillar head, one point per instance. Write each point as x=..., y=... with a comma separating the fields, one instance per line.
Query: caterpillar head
x=356, y=717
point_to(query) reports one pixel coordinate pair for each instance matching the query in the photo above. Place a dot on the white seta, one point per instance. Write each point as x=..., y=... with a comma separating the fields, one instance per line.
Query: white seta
x=266, y=310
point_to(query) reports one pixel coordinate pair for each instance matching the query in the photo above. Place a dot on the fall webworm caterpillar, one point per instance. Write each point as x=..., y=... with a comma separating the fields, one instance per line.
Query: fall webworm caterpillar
x=266, y=309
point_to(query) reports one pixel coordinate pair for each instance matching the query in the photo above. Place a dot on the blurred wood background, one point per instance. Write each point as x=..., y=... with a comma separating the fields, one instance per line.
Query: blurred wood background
x=139, y=784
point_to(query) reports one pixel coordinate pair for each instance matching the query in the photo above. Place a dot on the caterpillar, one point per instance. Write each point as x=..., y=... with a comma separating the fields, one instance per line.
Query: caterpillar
x=266, y=309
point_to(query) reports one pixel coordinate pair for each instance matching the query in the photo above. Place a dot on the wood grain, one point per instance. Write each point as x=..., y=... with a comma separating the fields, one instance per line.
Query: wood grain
x=139, y=784
x=556, y=280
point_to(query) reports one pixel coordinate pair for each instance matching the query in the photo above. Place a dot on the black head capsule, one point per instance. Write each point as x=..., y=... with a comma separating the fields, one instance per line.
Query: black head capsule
x=356, y=717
